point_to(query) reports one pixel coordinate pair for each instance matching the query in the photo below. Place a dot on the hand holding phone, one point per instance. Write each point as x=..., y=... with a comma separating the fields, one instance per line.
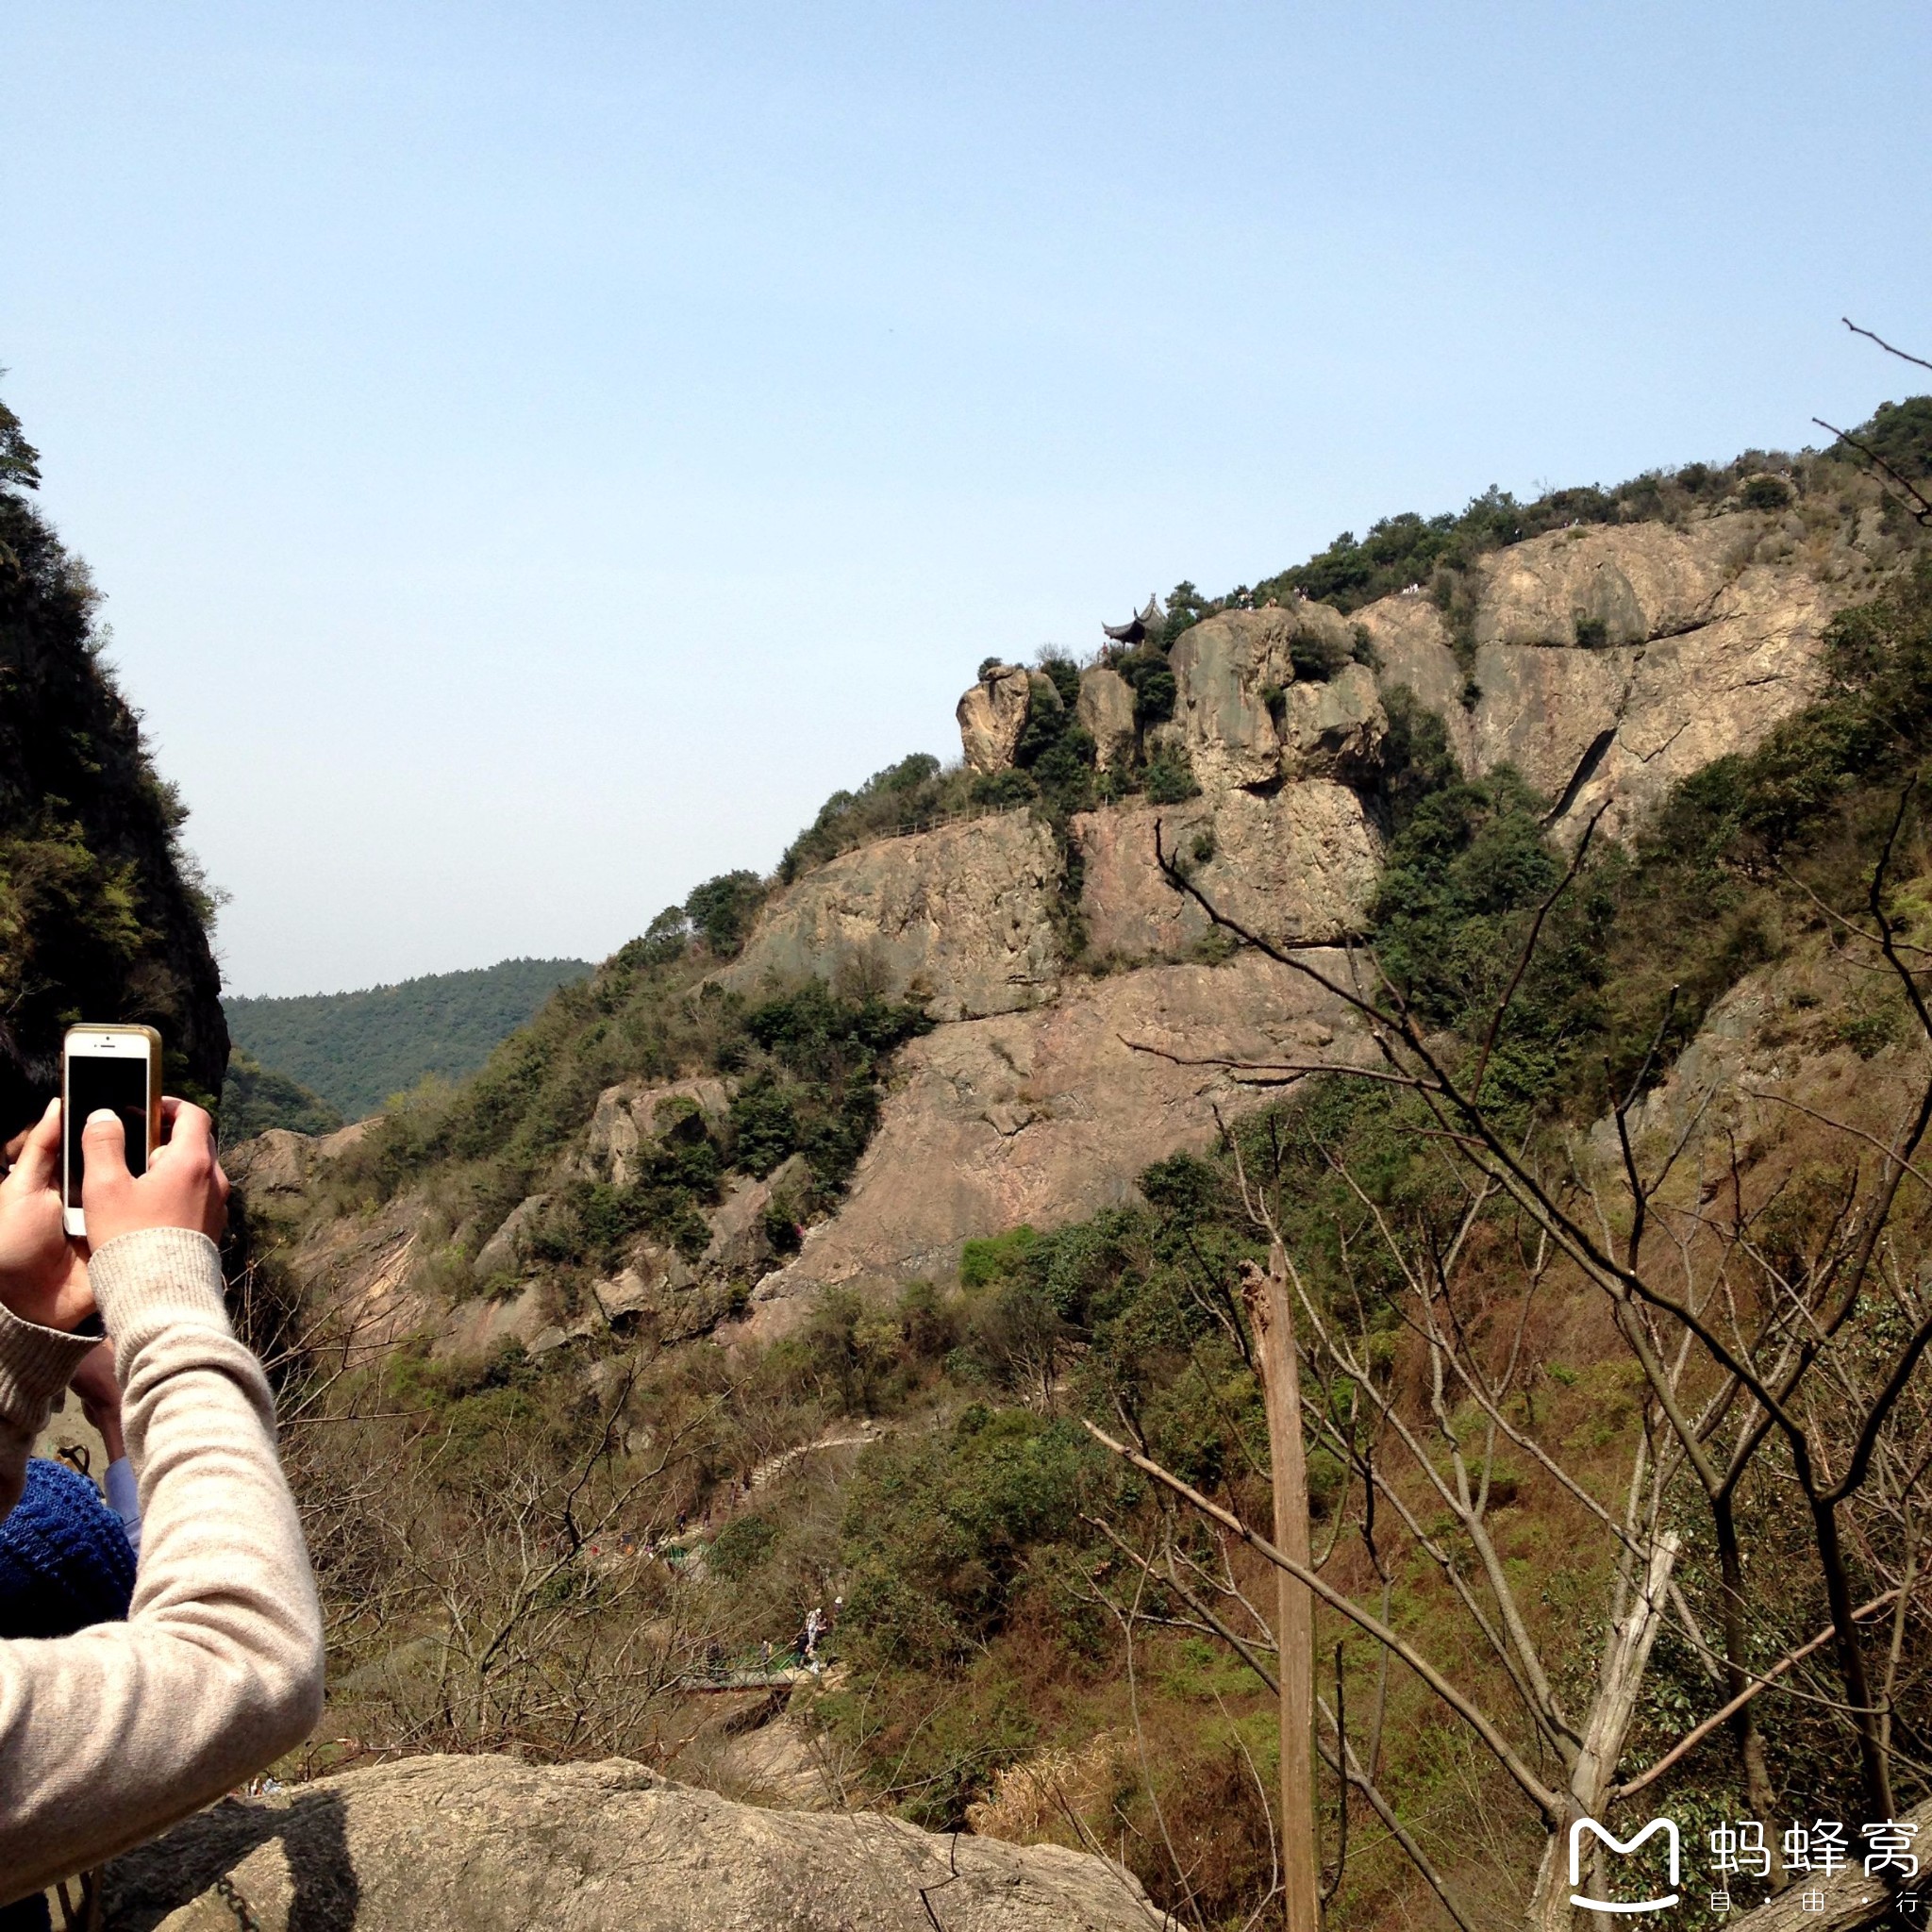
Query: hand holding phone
x=183, y=1185
x=42, y=1271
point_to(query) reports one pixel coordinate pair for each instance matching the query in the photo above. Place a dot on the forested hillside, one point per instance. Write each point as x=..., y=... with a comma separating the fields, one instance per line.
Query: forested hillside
x=103, y=914
x=355, y=1050
x=1540, y=1024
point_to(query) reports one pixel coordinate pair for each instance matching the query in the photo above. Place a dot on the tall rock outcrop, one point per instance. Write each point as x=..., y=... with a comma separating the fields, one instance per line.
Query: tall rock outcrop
x=992, y=716
x=1106, y=713
x=1603, y=663
x=1234, y=715
x=1048, y=1116
x=961, y=917
x=1297, y=865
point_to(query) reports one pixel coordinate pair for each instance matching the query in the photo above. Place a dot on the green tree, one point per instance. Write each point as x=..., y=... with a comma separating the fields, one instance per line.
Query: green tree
x=722, y=910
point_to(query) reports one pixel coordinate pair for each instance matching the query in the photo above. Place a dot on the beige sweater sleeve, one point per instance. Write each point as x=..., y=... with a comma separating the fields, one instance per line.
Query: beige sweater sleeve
x=110, y=1734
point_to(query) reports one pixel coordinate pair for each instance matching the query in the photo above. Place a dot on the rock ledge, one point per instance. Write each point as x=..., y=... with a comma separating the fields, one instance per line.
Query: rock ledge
x=485, y=1844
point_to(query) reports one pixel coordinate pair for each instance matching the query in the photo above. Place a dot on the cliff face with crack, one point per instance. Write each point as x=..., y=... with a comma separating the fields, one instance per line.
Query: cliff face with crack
x=1082, y=1001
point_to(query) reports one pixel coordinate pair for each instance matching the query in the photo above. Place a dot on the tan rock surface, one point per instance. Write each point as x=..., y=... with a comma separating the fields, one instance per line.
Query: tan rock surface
x=476, y=1328
x=960, y=916
x=282, y=1163
x=1411, y=642
x=992, y=716
x=626, y=1117
x=1333, y=728
x=1712, y=692
x=502, y=1254
x=1225, y=669
x=1639, y=580
x=1722, y=652
x=277, y=1161
x=1106, y=709
x=660, y=1290
x=361, y=1267
x=1299, y=866
x=485, y=1844
x=1220, y=669
x=1541, y=710
x=1046, y=1117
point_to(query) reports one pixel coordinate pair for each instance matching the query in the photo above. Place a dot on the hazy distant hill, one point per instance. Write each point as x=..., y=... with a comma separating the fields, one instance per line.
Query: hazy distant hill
x=255, y=1098
x=356, y=1049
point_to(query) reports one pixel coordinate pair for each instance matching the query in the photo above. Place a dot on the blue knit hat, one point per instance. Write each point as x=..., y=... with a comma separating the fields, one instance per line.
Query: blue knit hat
x=64, y=1558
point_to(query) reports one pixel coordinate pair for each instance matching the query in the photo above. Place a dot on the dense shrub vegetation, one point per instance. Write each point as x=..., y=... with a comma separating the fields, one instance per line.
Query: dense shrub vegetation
x=804, y=1065
x=255, y=1098
x=357, y=1050
x=103, y=914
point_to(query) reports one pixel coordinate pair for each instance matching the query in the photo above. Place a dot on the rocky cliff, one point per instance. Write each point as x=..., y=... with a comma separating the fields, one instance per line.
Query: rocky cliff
x=1698, y=641
x=1083, y=1003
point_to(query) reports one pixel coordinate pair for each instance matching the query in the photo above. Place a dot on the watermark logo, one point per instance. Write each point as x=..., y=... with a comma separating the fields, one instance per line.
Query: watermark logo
x=1624, y=1847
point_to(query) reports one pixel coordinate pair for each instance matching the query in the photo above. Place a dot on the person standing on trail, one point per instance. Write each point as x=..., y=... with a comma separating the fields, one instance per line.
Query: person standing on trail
x=111, y=1734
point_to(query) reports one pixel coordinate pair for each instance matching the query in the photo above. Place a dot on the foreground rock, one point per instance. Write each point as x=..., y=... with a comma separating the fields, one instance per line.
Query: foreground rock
x=483, y=1845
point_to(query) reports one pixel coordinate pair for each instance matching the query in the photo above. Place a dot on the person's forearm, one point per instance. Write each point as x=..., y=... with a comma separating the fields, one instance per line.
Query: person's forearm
x=35, y=1365
x=110, y=1734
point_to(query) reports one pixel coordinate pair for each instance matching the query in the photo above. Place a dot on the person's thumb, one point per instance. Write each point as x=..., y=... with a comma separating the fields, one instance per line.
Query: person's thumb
x=103, y=1144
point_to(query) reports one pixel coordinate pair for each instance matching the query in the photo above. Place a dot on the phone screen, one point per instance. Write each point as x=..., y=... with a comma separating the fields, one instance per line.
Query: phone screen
x=93, y=1084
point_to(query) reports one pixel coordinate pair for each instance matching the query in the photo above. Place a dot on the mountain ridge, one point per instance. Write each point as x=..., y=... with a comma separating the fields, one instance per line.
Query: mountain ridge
x=356, y=1049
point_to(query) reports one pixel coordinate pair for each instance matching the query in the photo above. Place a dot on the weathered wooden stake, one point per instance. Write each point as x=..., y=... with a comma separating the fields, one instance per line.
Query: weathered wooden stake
x=1270, y=1316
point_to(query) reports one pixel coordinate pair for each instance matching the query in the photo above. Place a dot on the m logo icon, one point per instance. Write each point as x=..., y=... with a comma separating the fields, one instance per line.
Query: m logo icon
x=1617, y=1844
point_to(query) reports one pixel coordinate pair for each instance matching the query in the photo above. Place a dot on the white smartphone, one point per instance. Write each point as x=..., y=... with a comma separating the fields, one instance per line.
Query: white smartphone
x=115, y=1067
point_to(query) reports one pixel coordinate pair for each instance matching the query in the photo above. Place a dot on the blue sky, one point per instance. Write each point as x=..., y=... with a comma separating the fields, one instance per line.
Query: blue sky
x=534, y=453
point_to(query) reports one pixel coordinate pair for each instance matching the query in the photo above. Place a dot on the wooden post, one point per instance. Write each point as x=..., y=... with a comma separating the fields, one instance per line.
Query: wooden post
x=1271, y=1319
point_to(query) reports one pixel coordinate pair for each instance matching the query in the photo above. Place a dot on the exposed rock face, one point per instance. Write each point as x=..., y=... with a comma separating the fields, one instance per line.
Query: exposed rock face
x=1639, y=581
x=1106, y=711
x=658, y=1289
x=363, y=1268
x=1412, y=646
x=1221, y=670
x=1298, y=866
x=280, y=1161
x=1333, y=728
x=1026, y=1104
x=1048, y=1116
x=502, y=1254
x=630, y=1116
x=1703, y=655
x=484, y=1844
x=961, y=917
x=1239, y=712
x=992, y=716
x=277, y=1161
x=476, y=1330
x=1704, y=693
